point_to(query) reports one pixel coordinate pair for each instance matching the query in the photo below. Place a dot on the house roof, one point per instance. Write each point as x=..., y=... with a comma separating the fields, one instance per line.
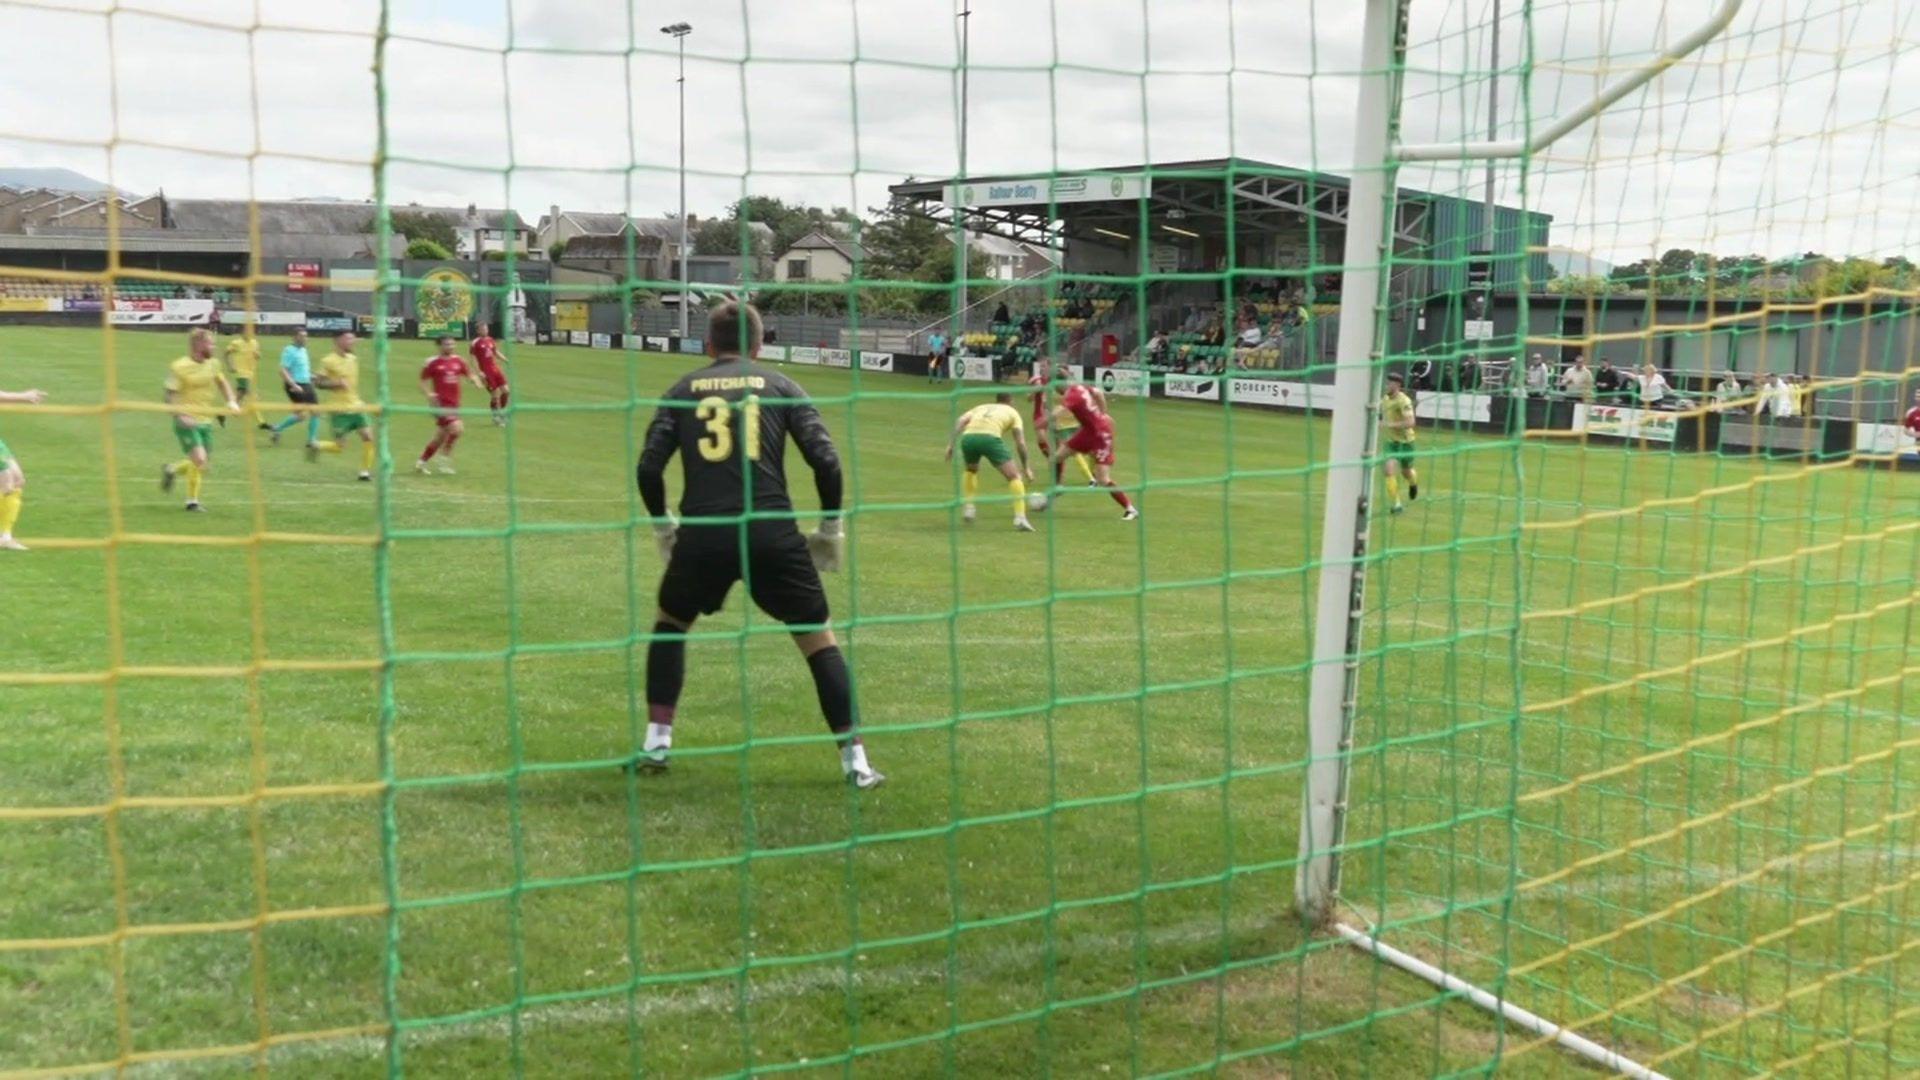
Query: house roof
x=600, y=246
x=819, y=239
x=599, y=223
x=316, y=216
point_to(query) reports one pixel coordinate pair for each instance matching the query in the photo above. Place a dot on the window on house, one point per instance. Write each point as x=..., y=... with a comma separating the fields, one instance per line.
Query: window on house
x=796, y=269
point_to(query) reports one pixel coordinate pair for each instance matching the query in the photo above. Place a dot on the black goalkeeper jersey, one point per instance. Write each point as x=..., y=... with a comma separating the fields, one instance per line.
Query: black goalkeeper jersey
x=729, y=422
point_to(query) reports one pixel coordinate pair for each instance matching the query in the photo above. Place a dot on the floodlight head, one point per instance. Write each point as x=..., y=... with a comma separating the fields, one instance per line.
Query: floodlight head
x=678, y=29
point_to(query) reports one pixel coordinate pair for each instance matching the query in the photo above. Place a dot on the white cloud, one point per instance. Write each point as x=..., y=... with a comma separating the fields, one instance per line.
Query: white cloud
x=1788, y=134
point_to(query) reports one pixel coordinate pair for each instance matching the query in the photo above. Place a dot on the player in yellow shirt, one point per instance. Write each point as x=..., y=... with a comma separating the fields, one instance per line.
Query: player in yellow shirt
x=1396, y=437
x=339, y=376
x=13, y=482
x=243, y=361
x=981, y=432
x=197, y=389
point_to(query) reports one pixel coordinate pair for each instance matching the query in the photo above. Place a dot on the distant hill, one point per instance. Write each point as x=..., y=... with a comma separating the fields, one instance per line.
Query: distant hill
x=56, y=179
x=1568, y=263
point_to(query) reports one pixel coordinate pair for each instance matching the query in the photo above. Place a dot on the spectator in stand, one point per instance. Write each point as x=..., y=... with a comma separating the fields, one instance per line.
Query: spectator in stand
x=1776, y=399
x=1803, y=395
x=1000, y=315
x=1538, y=376
x=1577, y=381
x=1194, y=321
x=1156, y=349
x=1215, y=335
x=1608, y=383
x=1653, y=388
x=1250, y=336
x=1727, y=390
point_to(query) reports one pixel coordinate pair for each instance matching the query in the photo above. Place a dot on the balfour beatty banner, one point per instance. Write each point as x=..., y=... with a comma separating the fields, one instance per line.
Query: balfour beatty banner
x=1058, y=189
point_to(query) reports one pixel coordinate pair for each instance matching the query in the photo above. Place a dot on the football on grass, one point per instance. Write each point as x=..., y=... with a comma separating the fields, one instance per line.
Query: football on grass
x=1036, y=502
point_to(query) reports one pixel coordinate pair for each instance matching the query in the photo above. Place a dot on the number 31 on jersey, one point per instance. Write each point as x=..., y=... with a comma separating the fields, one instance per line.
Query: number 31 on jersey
x=717, y=414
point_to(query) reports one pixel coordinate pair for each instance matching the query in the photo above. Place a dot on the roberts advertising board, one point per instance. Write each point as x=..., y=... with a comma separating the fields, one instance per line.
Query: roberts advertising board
x=1284, y=393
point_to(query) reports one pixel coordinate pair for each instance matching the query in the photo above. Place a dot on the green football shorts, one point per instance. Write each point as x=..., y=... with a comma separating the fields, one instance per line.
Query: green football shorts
x=992, y=447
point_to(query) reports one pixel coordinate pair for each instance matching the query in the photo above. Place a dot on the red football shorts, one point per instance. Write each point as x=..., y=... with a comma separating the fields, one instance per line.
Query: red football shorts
x=495, y=378
x=1095, y=439
x=445, y=419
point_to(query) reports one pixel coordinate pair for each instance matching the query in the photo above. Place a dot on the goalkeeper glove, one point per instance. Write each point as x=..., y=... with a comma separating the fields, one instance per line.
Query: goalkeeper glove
x=825, y=545
x=664, y=533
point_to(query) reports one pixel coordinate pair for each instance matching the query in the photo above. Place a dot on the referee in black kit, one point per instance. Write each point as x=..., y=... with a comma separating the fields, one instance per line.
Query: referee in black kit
x=729, y=421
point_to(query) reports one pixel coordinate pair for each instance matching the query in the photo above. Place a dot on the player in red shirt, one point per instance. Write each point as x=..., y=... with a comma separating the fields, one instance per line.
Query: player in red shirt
x=486, y=353
x=1095, y=437
x=1043, y=374
x=440, y=380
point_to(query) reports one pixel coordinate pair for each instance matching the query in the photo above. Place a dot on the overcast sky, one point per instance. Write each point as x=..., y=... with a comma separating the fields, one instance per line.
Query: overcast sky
x=1783, y=136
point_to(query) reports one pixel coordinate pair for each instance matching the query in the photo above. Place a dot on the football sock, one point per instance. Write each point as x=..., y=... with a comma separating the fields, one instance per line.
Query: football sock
x=328, y=445
x=313, y=427
x=970, y=485
x=194, y=477
x=666, y=672
x=367, y=453
x=1393, y=489
x=1057, y=467
x=10, y=511
x=1413, y=485
x=834, y=684
x=1119, y=496
x=1019, y=489
x=433, y=447
x=292, y=419
x=1086, y=470
x=446, y=444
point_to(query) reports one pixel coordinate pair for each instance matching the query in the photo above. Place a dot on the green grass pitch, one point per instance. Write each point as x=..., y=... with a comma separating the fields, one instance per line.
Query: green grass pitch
x=1083, y=862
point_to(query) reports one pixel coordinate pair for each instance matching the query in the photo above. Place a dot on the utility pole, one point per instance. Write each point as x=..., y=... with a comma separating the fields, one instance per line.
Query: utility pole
x=960, y=219
x=679, y=32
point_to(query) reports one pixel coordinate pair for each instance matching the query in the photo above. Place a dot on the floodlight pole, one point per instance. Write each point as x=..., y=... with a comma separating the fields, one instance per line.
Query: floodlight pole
x=679, y=32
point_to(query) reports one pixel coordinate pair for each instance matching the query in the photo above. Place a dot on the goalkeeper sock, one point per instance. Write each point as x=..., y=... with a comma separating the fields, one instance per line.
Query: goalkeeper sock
x=666, y=673
x=970, y=486
x=1019, y=489
x=1393, y=489
x=10, y=511
x=367, y=455
x=834, y=685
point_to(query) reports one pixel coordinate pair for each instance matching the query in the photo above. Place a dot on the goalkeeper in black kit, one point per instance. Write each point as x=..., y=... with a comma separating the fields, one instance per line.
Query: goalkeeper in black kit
x=729, y=422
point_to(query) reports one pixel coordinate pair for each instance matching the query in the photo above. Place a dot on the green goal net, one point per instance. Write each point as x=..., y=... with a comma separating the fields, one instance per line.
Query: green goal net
x=1549, y=720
